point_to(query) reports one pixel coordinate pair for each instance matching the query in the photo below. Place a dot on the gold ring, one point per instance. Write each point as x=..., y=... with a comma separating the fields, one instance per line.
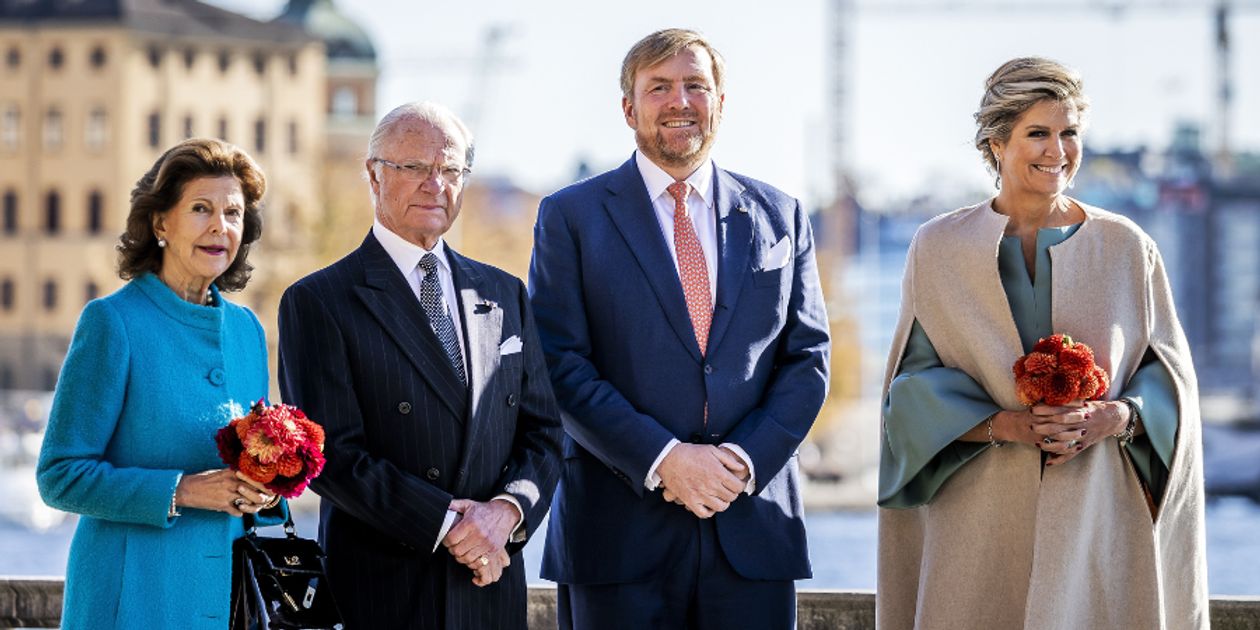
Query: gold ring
x=483, y=560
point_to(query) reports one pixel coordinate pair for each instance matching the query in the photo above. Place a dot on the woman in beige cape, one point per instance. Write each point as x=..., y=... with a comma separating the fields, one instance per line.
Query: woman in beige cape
x=996, y=515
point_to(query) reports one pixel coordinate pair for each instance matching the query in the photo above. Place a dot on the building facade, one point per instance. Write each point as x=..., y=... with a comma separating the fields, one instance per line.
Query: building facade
x=91, y=93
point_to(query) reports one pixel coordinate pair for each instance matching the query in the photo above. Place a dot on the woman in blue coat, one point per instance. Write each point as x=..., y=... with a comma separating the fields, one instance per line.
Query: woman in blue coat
x=153, y=371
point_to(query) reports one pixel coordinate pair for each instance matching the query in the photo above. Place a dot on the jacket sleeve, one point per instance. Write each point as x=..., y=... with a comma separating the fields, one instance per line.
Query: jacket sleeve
x=533, y=468
x=595, y=414
x=772, y=432
x=72, y=473
x=314, y=375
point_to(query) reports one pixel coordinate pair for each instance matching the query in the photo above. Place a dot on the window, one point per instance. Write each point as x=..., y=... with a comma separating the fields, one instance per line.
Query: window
x=52, y=129
x=95, y=212
x=155, y=129
x=190, y=58
x=225, y=60
x=10, y=212
x=223, y=128
x=50, y=295
x=260, y=64
x=90, y=291
x=6, y=294
x=13, y=58
x=52, y=213
x=155, y=57
x=56, y=58
x=293, y=137
x=345, y=103
x=97, y=57
x=293, y=64
x=260, y=135
x=188, y=126
x=97, y=132
x=10, y=127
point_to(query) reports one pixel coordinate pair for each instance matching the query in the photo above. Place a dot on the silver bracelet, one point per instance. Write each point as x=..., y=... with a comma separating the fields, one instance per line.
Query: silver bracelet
x=993, y=442
x=1126, y=436
x=173, y=511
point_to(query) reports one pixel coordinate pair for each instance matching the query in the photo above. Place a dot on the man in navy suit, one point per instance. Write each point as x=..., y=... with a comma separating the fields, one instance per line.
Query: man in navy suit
x=681, y=314
x=426, y=371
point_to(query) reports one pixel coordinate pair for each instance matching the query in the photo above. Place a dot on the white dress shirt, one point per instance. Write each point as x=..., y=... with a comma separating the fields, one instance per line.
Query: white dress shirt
x=406, y=256
x=701, y=195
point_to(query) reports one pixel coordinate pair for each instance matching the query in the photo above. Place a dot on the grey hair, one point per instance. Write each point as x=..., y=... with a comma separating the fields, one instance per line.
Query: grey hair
x=437, y=115
x=1014, y=88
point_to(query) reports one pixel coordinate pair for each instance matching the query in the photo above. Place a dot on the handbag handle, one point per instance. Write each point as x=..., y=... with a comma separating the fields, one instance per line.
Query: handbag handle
x=290, y=530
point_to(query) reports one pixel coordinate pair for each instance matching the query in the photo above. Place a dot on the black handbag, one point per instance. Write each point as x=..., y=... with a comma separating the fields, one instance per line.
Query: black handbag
x=280, y=583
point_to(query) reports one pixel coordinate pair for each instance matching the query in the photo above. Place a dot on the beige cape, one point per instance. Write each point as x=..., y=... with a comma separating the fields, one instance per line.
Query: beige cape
x=1004, y=545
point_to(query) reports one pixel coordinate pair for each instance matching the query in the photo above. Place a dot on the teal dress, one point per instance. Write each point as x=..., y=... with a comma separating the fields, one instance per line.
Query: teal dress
x=148, y=380
x=915, y=464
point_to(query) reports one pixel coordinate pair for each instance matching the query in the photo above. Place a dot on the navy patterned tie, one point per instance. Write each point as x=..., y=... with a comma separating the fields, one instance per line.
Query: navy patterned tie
x=439, y=316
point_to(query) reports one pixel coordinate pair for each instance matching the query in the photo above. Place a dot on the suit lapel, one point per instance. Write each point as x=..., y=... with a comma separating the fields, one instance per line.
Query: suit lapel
x=388, y=297
x=483, y=328
x=631, y=211
x=735, y=238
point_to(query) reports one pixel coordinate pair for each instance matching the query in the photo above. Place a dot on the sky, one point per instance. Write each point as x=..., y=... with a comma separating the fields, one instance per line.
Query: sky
x=914, y=74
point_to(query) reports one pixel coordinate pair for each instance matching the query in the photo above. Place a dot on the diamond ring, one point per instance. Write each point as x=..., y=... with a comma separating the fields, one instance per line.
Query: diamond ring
x=483, y=560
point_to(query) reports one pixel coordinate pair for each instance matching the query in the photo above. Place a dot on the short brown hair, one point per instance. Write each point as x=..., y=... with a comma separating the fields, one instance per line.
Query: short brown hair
x=161, y=187
x=662, y=45
x=1014, y=88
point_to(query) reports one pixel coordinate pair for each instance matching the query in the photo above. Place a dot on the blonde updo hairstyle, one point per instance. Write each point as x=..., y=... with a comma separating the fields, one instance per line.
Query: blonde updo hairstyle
x=1015, y=87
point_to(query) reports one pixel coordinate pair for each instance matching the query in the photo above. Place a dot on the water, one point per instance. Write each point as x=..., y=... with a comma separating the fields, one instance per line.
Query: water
x=842, y=548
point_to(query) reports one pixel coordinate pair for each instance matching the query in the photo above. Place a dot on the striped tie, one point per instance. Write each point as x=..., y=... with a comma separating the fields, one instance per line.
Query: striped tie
x=439, y=316
x=692, y=268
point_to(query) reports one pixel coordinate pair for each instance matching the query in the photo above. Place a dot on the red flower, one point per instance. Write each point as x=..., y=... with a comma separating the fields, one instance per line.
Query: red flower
x=1061, y=388
x=276, y=445
x=1040, y=363
x=1078, y=359
x=1031, y=389
x=1058, y=371
x=1052, y=344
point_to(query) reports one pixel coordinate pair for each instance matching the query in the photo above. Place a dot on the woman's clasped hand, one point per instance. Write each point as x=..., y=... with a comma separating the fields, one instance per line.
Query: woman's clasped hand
x=224, y=491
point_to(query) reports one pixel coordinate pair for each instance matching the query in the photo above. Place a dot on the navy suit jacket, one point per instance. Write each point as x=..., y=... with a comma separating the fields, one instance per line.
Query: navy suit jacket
x=629, y=374
x=404, y=436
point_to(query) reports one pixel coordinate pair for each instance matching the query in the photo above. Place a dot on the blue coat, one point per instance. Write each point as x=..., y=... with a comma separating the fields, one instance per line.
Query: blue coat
x=148, y=380
x=629, y=374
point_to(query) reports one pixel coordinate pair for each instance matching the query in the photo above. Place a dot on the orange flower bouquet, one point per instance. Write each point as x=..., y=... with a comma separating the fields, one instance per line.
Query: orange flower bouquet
x=1057, y=372
x=276, y=445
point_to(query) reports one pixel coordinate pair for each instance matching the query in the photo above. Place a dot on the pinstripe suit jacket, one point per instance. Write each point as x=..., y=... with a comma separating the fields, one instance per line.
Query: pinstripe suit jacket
x=405, y=437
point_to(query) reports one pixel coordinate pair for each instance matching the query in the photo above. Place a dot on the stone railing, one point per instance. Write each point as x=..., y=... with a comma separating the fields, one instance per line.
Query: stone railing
x=36, y=603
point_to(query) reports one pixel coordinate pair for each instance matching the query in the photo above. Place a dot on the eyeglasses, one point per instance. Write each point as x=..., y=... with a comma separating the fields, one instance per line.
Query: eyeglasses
x=415, y=171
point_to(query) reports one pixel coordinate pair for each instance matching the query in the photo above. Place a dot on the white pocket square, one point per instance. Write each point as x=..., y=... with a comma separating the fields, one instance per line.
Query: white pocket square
x=511, y=345
x=778, y=256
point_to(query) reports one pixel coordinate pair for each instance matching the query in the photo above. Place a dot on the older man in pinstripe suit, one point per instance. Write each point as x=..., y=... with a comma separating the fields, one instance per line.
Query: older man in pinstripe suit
x=425, y=369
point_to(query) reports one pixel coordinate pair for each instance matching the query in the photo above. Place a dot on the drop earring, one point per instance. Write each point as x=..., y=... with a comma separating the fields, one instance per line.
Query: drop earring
x=997, y=181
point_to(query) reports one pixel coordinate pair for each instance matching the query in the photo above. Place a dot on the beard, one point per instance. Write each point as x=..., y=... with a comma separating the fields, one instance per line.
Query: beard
x=687, y=150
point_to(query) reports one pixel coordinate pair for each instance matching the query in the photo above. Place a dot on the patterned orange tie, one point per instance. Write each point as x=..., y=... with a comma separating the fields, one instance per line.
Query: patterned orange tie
x=692, y=268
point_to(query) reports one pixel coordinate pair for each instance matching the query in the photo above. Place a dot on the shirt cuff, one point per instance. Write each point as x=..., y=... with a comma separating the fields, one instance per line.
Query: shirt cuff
x=653, y=480
x=742, y=454
x=446, y=527
x=518, y=532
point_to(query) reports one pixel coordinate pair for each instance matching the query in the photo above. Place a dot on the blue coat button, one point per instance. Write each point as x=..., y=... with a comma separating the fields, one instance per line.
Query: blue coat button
x=216, y=376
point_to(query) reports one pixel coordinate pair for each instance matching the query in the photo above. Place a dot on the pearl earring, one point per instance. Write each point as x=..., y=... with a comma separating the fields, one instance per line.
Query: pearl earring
x=161, y=242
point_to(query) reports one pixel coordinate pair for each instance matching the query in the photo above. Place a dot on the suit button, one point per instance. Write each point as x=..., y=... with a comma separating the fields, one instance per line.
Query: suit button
x=432, y=474
x=404, y=407
x=511, y=400
x=708, y=368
